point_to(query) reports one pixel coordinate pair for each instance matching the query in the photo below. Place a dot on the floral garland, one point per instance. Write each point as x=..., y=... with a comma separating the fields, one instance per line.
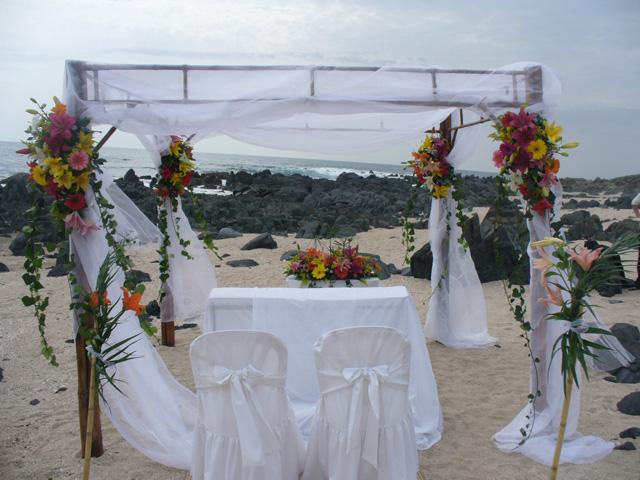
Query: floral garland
x=342, y=262
x=526, y=156
x=432, y=170
x=63, y=165
x=173, y=181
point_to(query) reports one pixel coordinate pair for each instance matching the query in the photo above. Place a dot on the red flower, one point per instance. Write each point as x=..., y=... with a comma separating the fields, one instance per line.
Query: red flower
x=24, y=151
x=75, y=201
x=186, y=180
x=523, y=190
x=542, y=206
x=162, y=191
x=165, y=172
x=342, y=270
x=52, y=189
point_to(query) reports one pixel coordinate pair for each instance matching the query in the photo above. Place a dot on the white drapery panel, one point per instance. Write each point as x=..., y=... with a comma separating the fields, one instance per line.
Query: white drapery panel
x=546, y=376
x=457, y=315
x=190, y=279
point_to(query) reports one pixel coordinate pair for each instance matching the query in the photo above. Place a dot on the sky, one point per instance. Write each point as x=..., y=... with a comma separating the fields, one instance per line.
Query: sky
x=594, y=46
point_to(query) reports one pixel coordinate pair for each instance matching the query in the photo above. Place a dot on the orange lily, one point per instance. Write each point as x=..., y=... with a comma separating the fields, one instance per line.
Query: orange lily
x=131, y=301
x=94, y=299
x=59, y=108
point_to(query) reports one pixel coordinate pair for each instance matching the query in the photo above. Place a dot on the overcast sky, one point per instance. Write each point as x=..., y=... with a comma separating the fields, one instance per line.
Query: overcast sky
x=594, y=46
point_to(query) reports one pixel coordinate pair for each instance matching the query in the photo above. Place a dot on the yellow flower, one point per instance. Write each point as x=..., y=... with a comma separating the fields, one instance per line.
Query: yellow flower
x=52, y=162
x=427, y=143
x=186, y=166
x=65, y=180
x=538, y=149
x=37, y=173
x=548, y=242
x=440, y=191
x=82, y=181
x=175, y=149
x=176, y=179
x=319, y=271
x=85, y=143
x=553, y=131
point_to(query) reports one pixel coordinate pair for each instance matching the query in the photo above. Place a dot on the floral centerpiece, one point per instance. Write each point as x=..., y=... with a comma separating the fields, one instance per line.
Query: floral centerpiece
x=62, y=161
x=342, y=262
x=527, y=156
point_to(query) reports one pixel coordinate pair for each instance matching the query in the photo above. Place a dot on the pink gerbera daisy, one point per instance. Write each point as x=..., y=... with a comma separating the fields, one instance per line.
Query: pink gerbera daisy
x=78, y=160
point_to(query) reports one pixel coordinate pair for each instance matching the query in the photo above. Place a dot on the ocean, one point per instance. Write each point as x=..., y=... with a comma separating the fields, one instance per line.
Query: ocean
x=119, y=160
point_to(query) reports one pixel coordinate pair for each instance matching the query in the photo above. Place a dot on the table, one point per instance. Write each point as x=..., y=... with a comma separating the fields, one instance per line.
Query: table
x=300, y=316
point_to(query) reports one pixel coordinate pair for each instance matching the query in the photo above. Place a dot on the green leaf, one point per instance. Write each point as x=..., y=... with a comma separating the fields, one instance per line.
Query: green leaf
x=27, y=301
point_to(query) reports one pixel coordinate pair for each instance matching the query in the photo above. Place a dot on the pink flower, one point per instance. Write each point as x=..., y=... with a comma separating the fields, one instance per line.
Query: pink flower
x=544, y=263
x=61, y=125
x=295, y=266
x=548, y=180
x=507, y=149
x=554, y=296
x=78, y=160
x=342, y=269
x=75, y=201
x=585, y=258
x=498, y=158
x=74, y=221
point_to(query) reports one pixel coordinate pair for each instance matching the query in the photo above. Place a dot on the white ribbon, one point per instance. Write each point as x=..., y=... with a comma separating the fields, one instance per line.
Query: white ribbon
x=357, y=377
x=256, y=436
x=99, y=356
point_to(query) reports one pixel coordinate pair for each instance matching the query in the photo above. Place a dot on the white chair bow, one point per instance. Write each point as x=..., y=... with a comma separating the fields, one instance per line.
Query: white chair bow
x=255, y=435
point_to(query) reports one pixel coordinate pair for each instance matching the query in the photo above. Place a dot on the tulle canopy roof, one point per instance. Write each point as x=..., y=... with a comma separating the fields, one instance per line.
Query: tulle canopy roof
x=320, y=109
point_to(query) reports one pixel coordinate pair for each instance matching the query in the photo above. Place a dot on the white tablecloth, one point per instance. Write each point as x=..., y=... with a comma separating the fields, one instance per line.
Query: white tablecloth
x=300, y=316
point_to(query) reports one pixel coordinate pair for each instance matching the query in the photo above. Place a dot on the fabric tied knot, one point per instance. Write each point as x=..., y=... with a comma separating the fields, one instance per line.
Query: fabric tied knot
x=256, y=437
x=579, y=326
x=92, y=353
x=357, y=376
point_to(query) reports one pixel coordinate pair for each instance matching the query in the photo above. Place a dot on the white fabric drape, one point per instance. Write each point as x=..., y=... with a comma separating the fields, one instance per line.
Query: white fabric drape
x=190, y=279
x=452, y=321
x=546, y=376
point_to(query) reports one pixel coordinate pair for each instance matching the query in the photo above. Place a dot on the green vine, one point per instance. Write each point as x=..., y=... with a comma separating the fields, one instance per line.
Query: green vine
x=203, y=226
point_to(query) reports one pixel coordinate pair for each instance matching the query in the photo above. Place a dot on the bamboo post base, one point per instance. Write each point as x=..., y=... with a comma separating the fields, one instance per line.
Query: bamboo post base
x=168, y=330
x=563, y=427
x=90, y=419
x=84, y=393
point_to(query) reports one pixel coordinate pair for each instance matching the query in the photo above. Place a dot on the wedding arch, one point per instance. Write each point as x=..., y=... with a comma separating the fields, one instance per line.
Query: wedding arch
x=319, y=109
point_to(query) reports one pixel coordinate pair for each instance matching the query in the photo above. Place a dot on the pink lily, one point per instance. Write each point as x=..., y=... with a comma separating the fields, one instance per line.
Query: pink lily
x=585, y=258
x=74, y=221
x=554, y=297
x=544, y=263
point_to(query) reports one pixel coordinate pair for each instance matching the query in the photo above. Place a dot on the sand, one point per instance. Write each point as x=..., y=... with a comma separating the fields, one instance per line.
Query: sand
x=480, y=390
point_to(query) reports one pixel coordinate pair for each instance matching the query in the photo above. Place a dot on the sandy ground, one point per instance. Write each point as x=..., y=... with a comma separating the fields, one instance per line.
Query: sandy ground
x=480, y=390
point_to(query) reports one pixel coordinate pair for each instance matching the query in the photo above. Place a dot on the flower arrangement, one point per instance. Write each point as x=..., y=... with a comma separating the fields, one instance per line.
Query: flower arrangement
x=569, y=276
x=342, y=262
x=62, y=161
x=526, y=156
x=431, y=166
x=176, y=169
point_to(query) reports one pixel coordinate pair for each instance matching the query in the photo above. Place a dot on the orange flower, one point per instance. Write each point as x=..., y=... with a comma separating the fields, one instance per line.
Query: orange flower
x=554, y=168
x=94, y=299
x=131, y=301
x=59, y=108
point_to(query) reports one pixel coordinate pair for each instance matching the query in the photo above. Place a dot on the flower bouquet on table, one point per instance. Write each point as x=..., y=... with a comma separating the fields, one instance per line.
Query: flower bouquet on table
x=569, y=276
x=339, y=266
x=526, y=156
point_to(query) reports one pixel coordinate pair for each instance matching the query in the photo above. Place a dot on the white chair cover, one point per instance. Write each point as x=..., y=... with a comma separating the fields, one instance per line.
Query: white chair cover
x=245, y=428
x=363, y=429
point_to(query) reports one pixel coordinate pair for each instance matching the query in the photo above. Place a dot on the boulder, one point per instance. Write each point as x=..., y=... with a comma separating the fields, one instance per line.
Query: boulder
x=3, y=268
x=629, y=337
x=242, y=263
x=583, y=225
x=617, y=229
x=309, y=229
x=633, y=432
x=136, y=276
x=421, y=262
x=130, y=176
x=59, y=269
x=288, y=255
x=227, y=232
x=385, y=271
x=264, y=240
x=18, y=244
x=630, y=405
x=153, y=309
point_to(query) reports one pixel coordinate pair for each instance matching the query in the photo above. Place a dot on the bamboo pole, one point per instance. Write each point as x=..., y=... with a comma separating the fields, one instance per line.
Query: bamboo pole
x=563, y=426
x=90, y=413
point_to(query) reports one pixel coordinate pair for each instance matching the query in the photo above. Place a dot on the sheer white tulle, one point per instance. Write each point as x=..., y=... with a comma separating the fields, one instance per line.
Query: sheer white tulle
x=543, y=420
x=450, y=321
x=245, y=428
x=318, y=109
x=190, y=279
x=362, y=427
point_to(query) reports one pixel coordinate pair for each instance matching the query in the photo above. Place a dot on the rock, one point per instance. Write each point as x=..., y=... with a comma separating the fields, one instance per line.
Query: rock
x=629, y=337
x=309, y=229
x=421, y=262
x=583, y=225
x=384, y=272
x=632, y=432
x=153, y=309
x=35, y=401
x=264, y=240
x=393, y=270
x=18, y=244
x=617, y=229
x=60, y=268
x=3, y=268
x=227, y=232
x=288, y=255
x=630, y=405
x=345, y=231
x=61, y=389
x=186, y=326
x=130, y=176
x=1, y=374
x=405, y=272
x=625, y=446
x=136, y=276
x=242, y=263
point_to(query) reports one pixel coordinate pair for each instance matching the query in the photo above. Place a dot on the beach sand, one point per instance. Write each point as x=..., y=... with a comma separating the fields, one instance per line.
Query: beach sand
x=480, y=390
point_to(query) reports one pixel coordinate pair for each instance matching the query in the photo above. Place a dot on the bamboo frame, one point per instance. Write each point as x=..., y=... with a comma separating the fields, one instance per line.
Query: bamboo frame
x=563, y=426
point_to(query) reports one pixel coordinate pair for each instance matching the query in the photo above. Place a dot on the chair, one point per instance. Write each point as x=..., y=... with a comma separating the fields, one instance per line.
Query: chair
x=245, y=428
x=363, y=428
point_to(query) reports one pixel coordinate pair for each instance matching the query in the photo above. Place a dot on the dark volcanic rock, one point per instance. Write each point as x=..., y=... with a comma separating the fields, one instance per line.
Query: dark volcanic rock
x=137, y=276
x=385, y=270
x=421, y=262
x=18, y=244
x=3, y=268
x=264, y=240
x=228, y=233
x=59, y=269
x=617, y=229
x=242, y=263
x=153, y=309
x=288, y=255
x=309, y=229
x=630, y=405
x=633, y=432
x=625, y=446
x=583, y=225
x=629, y=337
